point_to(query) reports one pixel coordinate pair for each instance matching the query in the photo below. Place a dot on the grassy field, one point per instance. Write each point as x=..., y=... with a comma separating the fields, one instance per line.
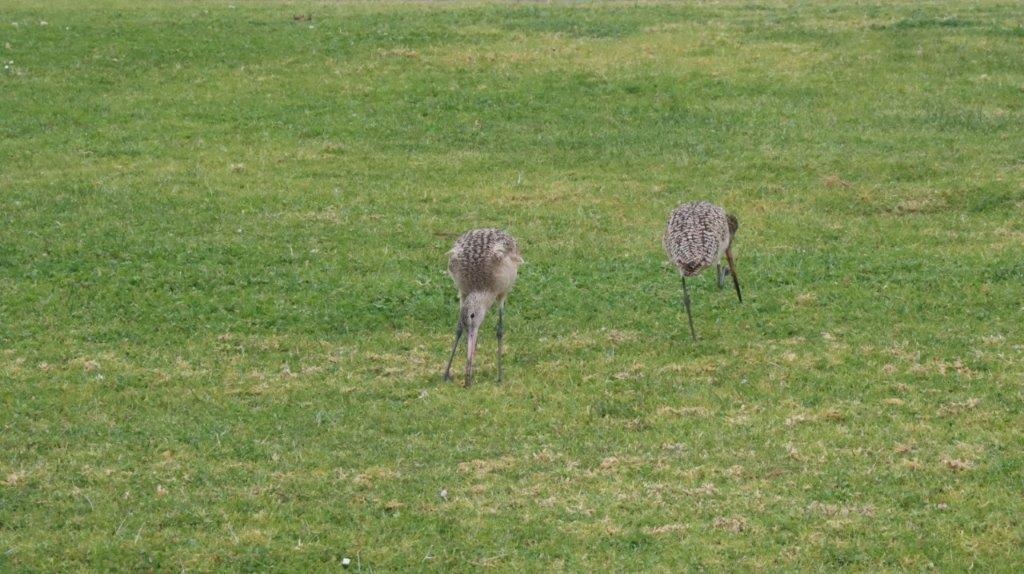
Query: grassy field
x=224, y=310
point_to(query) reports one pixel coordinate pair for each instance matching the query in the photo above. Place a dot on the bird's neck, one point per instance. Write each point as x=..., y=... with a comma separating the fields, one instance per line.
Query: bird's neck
x=478, y=300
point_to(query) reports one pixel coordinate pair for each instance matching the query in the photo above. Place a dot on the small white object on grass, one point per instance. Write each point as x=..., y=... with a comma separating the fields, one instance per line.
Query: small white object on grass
x=345, y=562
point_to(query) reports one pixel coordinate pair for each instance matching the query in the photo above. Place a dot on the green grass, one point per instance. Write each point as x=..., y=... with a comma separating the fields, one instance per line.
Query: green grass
x=224, y=308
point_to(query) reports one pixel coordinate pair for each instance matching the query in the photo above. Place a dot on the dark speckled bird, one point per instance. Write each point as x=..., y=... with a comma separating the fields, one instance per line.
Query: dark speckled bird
x=697, y=235
x=483, y=263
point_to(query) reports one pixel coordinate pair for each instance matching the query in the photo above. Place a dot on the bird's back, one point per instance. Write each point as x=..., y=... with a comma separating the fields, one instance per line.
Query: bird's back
x=696, y=236
x=484, y=260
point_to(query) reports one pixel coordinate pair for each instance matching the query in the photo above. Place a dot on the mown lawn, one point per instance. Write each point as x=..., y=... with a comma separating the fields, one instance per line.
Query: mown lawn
x=224, y=309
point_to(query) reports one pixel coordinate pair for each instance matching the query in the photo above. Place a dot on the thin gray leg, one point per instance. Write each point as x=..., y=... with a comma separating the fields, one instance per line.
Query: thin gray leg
x=689, y=315
x=501, y=334
x=451, y=356
x=720, y=274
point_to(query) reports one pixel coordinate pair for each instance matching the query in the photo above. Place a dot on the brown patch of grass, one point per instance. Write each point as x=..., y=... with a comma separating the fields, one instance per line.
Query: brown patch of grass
x=702, y=367
x=482, y=467
x=373, y=474
x=666, y=529
x=399, y=53
x=706, y=489
x=835, y=182
x=548, y=502
x=738, y=419
x=617, y=336
x=545, y=455
x=917, y=205
x=911, y=464
x=573, y=342
x=699, y=412
x=627, y=375
x=956, y=408
x=87, y=365
x=832, y=415
x=957, y=464
x=962, y=369
x=734, y=524
x=806, y=298
x=797, y=418
x=841, y=509
x=997, y=340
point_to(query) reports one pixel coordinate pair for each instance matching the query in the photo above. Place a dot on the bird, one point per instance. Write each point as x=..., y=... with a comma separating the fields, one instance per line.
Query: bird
x=484, y=264
x=697, y=235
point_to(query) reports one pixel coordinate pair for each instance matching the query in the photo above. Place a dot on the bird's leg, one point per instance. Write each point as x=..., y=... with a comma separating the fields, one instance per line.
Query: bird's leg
x=500, y=332
x=732, y=271
x=720, y=274
x=686, y=302
x=451, y=356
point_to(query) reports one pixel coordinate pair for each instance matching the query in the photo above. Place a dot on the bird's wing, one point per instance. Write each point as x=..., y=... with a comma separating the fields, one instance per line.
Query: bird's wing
x=453, y=255
x=501, y=250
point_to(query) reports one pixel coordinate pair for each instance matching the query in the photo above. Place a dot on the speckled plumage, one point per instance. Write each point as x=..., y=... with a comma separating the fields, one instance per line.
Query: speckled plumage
x=484, y=260
x=697, y=235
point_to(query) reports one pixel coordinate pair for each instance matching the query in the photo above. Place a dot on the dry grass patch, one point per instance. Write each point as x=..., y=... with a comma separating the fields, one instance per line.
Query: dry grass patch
x=733, y=524
x=957, y=464
x=697, y=412
x=480, y=468
x=673, y=528
x=955, y=408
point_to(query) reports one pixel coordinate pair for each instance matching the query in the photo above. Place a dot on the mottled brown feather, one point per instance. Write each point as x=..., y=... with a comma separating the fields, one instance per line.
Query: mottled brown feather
x=697, y=235
x=484, y=260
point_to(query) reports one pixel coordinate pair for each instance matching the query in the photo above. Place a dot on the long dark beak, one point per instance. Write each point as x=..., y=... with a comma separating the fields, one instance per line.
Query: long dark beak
x=470, y=353
x=735, y=278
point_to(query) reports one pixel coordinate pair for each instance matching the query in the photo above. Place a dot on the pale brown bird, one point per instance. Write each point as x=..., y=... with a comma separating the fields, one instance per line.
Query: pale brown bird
x=483, y=263
x=697, y=235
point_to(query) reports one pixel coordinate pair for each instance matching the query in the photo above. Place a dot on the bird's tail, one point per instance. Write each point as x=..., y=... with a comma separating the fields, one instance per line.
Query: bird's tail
x=689, y=267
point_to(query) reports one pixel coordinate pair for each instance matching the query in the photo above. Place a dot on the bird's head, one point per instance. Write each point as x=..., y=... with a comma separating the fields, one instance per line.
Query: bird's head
x=472, y=310
x=471, y=315
x=734, y=224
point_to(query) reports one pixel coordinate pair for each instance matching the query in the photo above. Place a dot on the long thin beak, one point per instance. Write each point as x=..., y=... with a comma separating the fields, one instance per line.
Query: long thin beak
x=735, y=278
x=470, y=353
